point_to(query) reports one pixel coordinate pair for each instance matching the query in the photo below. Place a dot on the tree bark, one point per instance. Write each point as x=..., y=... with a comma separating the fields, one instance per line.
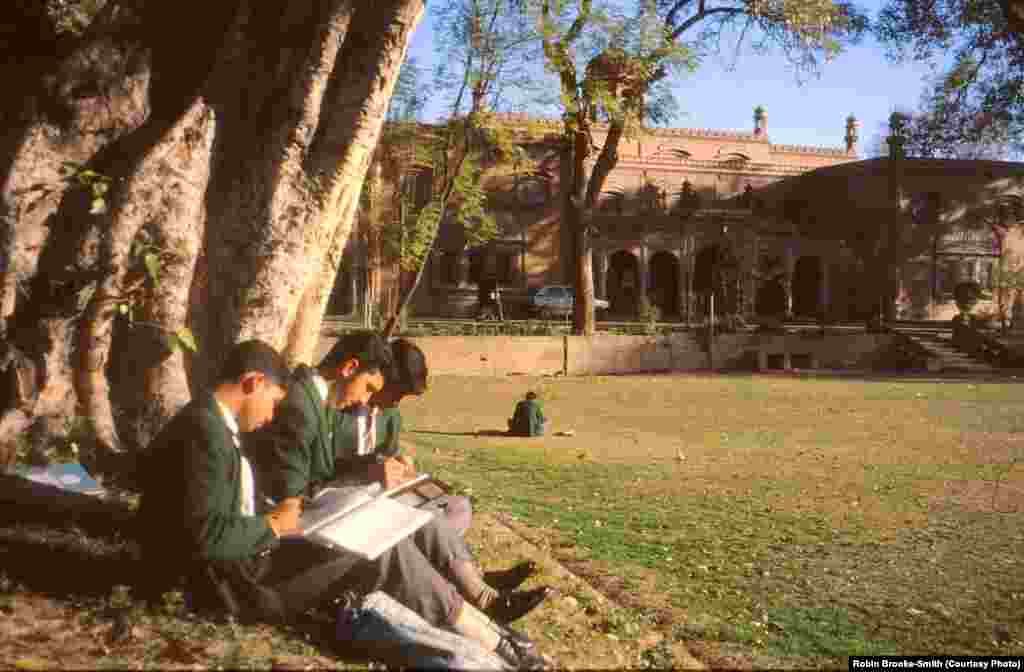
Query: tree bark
x=242, y=161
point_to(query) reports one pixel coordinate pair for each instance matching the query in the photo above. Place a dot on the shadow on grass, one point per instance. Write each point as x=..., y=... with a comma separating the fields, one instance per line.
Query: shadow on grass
x=482, y=432
x=63, y=563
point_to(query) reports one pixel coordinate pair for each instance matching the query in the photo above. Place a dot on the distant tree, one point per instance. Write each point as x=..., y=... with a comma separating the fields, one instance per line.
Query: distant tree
x=1007, y=284
x=920, y=133
x=610, y=61
x=977, y=102
x=477, y=40
x=409, y=98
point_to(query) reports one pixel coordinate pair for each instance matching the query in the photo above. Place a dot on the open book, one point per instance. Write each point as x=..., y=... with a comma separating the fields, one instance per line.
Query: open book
x=362, y=519
x=70, y=476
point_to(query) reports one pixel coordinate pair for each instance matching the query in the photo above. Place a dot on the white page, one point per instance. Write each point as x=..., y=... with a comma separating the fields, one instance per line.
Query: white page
x=334, y=503
x=373, y=528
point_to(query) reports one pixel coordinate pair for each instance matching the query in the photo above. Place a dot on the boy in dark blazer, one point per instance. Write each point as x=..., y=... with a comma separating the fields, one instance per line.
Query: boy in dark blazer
x=197, y=515
x=297, y=457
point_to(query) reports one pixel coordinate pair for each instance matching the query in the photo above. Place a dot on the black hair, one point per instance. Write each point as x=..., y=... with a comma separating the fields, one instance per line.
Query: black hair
x=254, y=356
x=409, y=371
x=367, y=347
x=531, y=395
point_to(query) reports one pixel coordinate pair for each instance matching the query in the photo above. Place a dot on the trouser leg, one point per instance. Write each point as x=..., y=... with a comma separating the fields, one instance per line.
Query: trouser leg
x=442, y=544
x=448, y=552
x=404, y=573
x=305, y=575
x=458, y=511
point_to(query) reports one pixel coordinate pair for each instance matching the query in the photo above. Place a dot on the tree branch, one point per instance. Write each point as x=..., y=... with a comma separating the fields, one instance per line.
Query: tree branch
x=579, y=24
x=670, y=18
x=703, y=14
x=606, y=161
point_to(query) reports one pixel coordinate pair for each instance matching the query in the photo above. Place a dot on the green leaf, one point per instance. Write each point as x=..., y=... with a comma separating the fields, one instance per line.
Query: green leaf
x=85, y=296
x=187, y=339
x=122, y=308
x=152, y=266
x=99, y=206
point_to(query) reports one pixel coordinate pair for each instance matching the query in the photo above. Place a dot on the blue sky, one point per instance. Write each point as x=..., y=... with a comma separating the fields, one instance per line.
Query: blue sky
x=860, y=81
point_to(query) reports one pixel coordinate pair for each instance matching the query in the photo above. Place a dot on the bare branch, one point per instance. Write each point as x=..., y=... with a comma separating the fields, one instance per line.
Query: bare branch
x=577, y=26
x=703, y=14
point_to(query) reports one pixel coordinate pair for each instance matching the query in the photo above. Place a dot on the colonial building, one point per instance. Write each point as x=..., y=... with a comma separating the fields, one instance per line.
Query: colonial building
x=690, y=214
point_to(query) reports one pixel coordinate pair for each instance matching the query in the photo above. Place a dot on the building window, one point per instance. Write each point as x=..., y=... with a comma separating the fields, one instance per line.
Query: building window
x=449, y=263
x=476, y=267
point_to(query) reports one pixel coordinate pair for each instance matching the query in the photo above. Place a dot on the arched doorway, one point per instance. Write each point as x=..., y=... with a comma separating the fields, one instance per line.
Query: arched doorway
x=807, y=287
x=623, y=283
x=716, y=267
x=664, y=290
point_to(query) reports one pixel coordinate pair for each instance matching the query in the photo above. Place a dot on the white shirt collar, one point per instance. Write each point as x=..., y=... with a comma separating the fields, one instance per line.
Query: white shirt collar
x=247, y=497
x=321, y=386
x=229, y=417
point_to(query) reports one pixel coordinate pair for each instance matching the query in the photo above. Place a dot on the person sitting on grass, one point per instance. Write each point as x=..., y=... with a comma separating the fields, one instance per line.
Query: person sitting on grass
x=197, y=513
x=528, y=419
x=384, y=461
x=425, y=572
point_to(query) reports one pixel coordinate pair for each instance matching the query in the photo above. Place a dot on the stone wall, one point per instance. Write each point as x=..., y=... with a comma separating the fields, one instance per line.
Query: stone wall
x=487, y=355
x=834, y=351
x=606, y=353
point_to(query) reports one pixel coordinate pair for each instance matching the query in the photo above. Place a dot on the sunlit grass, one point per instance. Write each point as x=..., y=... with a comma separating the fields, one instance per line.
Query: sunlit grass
x=851, y=516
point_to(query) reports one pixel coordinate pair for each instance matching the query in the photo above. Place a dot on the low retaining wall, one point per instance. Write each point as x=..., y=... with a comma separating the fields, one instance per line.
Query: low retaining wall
x=607, y=353
x=486, y=355
x=834, y=351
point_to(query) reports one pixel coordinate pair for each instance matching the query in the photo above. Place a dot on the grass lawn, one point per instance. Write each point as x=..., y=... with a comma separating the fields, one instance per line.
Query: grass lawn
x=763, y=520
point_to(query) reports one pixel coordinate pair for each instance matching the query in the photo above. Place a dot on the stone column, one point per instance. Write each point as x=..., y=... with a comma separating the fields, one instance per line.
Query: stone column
x=824, y=293
x=601, y=271
x=680, y=285
x=790, y=263
x=642, y=271
x=691, y=267
x=463, y=269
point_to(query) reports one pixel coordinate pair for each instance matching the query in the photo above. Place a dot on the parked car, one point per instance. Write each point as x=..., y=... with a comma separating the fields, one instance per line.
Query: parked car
x=557, y=300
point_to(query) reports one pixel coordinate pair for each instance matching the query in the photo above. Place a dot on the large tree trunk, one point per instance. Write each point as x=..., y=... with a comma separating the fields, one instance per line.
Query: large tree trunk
x=236, y=162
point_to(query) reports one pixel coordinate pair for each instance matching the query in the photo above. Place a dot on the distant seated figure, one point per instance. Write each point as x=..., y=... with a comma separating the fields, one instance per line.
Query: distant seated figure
x=528, y=419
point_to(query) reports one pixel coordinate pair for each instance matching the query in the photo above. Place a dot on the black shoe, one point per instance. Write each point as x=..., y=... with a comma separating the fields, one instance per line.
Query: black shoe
x=512, y=605
x=511, y=578
x=520, y=658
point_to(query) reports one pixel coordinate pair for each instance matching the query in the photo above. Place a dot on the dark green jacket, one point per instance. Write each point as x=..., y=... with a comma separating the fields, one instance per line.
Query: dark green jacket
x=528, y=419
x=295, y=452
x=346, y=435
x=191, y=487
x=389, y=427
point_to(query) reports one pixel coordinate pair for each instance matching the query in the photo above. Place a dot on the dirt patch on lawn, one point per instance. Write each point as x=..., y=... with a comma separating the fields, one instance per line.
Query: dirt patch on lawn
x=585, y=626
x=979, y=496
